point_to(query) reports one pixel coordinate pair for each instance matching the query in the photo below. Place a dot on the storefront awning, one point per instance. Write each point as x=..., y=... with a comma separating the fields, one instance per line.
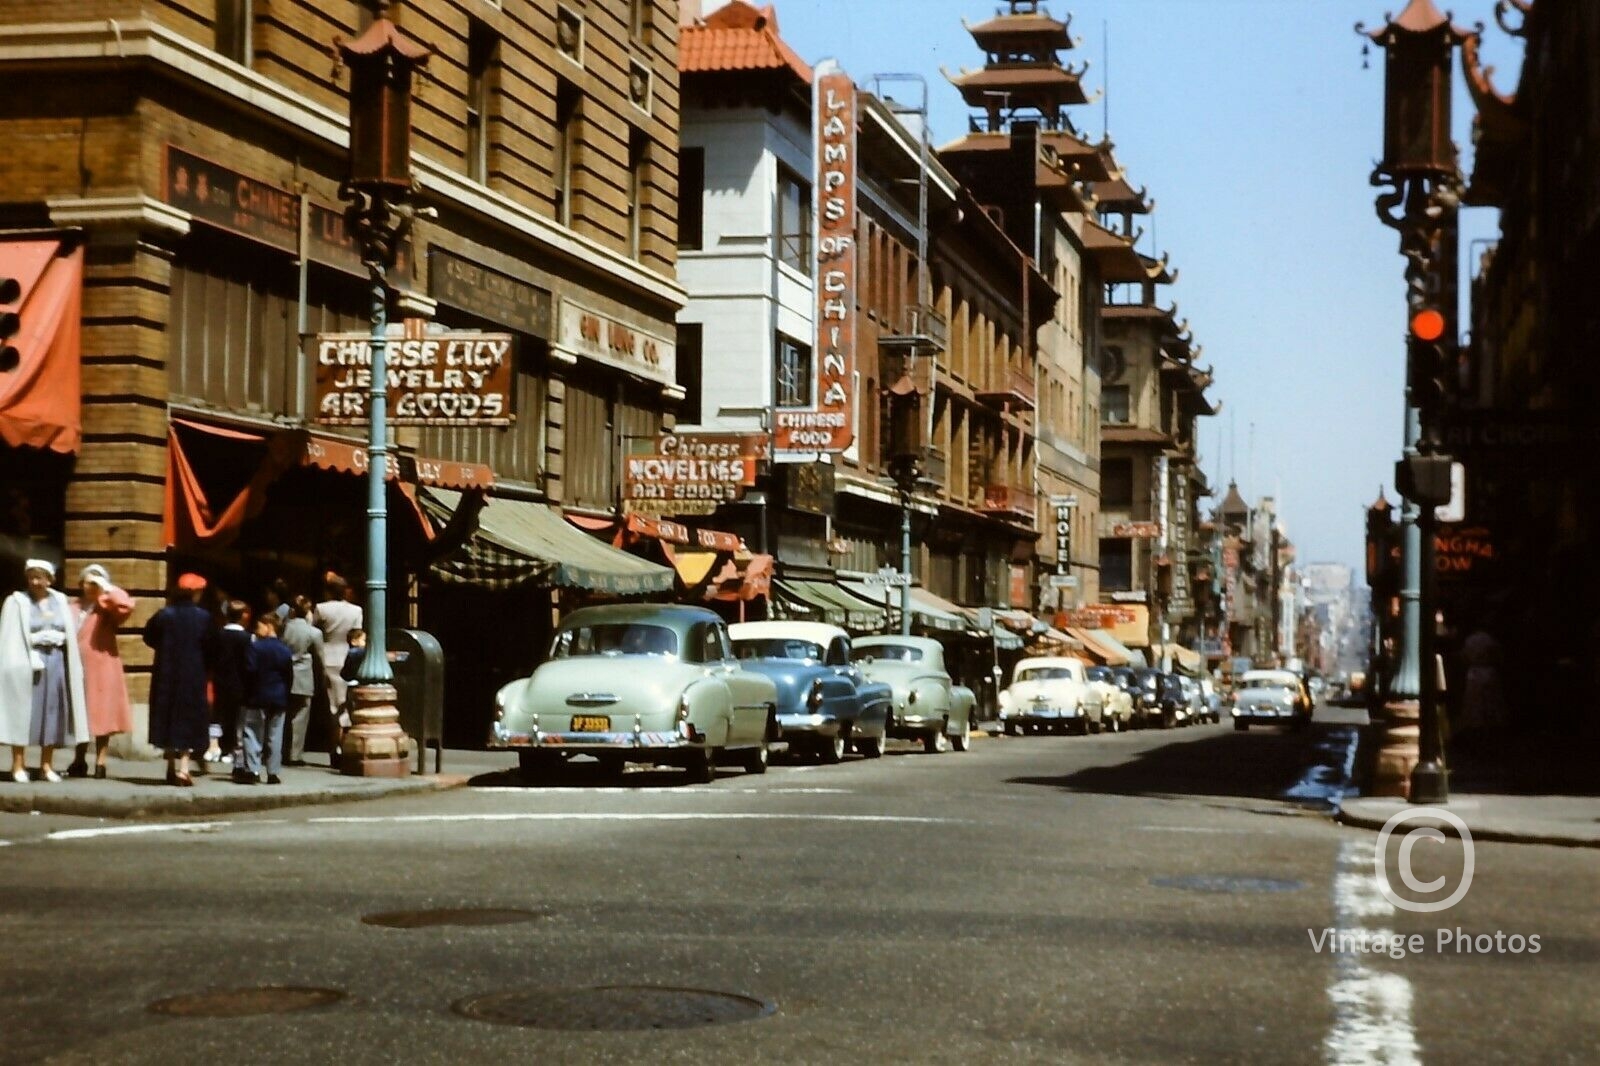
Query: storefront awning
x=693, y=567
x=518, y=542
x=40, y=371
x=1134, y=633
x=744, y=577
x=1184, y=660
x=1005, y=639
x=347, y=456
x=1104, y=647
x=927, y=610
x=829, y=603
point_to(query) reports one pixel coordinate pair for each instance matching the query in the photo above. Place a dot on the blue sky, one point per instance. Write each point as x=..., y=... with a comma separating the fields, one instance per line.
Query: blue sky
x=1254, y=127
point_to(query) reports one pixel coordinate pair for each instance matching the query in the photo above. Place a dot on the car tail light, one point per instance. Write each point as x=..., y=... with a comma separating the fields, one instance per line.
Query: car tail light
x=683, y=707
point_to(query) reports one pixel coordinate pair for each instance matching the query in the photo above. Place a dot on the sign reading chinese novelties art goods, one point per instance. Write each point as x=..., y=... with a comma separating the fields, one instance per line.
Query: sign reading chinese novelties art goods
x=489, y=294
x=1137, y=530
x=238, y=203
x=826, y=424
x=442, y=379
x=692, y=473
x=589, y=334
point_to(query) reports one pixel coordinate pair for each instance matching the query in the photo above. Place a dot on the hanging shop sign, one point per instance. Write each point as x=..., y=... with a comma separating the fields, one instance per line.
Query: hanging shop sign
x=588, y=334
x=442, y=379
x=1064, y=506
x=1100, y=616
x=222, y=197
x=692, y=473
x=489, y=294
x=1137, y=530
x=826, y=424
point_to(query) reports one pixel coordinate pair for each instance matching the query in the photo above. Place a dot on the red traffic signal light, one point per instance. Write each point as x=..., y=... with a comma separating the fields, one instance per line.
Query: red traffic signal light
x=10, y=323
x=1427, y=324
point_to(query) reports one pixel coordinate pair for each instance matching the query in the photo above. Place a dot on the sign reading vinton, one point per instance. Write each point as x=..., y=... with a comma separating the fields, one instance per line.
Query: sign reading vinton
x=443, y=379
x=826, y=424
x=692, y=473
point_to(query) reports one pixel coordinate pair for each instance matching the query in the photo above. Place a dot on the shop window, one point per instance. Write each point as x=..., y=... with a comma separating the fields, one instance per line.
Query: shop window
x=794, y=372
x=566, y=148
x=794, y=221
x=1116, y=565
x=235, y=30
x=691, y=198
x=638, y=173
x=483, y=60
x=1116, y=483
x=689, y=379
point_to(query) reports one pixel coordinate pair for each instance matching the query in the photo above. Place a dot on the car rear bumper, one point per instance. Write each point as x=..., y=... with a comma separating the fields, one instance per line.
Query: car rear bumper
x=637, y=739
x=1255, y=714
x=809, y=726
x=1043, y=715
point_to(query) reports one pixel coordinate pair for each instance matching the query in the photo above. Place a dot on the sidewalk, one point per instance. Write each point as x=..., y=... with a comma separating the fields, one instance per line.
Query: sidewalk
x=138, y=789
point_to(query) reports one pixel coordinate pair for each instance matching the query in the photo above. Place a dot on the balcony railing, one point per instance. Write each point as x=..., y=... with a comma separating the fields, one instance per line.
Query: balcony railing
x=1007, y=501
x=923, y=331
x=935, y=469
x=1009, y=388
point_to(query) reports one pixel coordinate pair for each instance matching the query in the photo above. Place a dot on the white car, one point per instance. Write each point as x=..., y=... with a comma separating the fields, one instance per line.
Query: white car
x=928, y=705
x=1270, y=697
x=1116, y=702
x=1050, y=694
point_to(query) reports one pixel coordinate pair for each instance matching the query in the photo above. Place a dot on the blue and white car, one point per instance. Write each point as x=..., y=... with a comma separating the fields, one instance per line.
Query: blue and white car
x=825, y=703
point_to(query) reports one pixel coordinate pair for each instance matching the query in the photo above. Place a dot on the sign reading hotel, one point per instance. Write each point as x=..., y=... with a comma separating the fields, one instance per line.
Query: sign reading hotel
x=591, y=335
x=442, y=379
x=827, y=424
x=692, y=473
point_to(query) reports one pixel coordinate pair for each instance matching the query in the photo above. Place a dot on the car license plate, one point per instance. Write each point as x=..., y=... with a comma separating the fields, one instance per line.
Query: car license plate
x=590, y=723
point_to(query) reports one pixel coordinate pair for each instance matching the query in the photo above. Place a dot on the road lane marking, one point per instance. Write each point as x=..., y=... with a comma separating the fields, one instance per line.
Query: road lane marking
x=1372, y=1009
x=134, y=830
x=660, y=790
x=593, y=816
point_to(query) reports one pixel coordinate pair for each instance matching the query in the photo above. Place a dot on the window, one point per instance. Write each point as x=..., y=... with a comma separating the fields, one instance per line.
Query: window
x=235, y=30
x=483, y=55
x=366, y=15
x=794, y=221
x=689, y=380
x=638, y=18
x=1116, y=483
x=638, y=168
x=794, y=372
x=566, y=148
x=1116, y=565
x=1114, y=403
x=691, y=198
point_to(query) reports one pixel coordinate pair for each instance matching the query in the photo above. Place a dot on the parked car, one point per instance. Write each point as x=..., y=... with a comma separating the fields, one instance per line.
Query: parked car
x=1272, y=697
x=1213, y=698
x=1197, y=712
x=1128, y=680
x=639, y=683
x=1050, y=694
x=1116, y=702
x=825, y=702
x=928, y=706
x=1162, y=698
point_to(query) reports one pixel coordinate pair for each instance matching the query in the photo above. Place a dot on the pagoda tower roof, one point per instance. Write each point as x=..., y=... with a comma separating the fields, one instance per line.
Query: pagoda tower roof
x=1046, y=86
x=1023, y=28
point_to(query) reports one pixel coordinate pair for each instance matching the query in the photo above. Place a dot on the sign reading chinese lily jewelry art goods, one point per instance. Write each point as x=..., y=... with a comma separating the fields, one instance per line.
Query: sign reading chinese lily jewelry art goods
x=826, y=425
x=692, y=473
x=443, y=379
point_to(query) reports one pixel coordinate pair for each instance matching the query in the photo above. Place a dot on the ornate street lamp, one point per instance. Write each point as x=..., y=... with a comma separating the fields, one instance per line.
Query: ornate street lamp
x=1421, y=198
x=907, y=451
x=381, y=62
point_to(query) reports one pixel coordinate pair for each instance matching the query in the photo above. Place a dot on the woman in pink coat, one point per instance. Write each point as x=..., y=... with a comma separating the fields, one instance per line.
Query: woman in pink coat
x=99, y=611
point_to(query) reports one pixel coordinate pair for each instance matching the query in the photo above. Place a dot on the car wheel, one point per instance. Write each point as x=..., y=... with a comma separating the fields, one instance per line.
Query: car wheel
x=872, y=747
x=756, y=760
x=831, y=750
x=1095, y=727
x=962, y=741
x=1241, y=726
x=935, y=742
x=703, y=766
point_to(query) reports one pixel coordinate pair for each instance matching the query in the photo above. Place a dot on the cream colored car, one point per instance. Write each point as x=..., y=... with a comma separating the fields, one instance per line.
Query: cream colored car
x=1050, y=694
x=1116, y=702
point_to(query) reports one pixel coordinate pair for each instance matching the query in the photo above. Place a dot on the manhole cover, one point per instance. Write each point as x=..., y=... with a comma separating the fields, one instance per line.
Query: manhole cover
x=244, y=1002
x=612, y=1008
x=450, y=916
x=1213, y=883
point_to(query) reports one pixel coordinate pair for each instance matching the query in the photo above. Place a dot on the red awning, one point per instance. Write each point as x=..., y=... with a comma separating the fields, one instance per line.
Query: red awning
x=41, y=393
x=635, y=527
x=191, y=516
x=347, y=456
x=744, y=577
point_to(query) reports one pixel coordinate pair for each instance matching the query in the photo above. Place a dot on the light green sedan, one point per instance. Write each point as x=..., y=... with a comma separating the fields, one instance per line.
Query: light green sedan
x=928, y=706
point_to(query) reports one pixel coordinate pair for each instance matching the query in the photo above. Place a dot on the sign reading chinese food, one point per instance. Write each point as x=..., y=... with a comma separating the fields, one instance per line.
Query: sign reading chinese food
x=826, y=424
x=692, y=473
x=442, y=379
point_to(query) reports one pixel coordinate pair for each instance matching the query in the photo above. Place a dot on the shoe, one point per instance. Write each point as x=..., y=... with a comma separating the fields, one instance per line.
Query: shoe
x=274, y=779
x=181, y=780
x=78, y=769
x=47, y=773
x=240, y=777
x=99, y=773
x=20, y=777
x=294, y=762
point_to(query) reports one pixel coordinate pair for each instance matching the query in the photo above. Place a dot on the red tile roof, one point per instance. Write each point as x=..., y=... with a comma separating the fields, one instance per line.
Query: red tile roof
x=738, y=37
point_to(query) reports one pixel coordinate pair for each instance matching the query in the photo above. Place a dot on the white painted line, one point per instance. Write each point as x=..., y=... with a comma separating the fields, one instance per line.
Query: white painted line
x=1372, y=1009
x=5, y=843
x=1196, y=829
x=661, y=790
x=134, y=830
x=623, y=817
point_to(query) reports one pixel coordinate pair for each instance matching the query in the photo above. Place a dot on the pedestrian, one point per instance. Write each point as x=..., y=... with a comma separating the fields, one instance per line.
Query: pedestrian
x=227, y=683
x=336, y=616
x=183, y=638
x=305, y=640
x=277, y=599
x=41, y=673
x=352, y=667
x=99, y=611
x=268, y=677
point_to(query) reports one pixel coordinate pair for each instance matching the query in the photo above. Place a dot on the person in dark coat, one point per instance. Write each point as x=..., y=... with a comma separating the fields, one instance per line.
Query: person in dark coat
x=183, y=638
x=227, y=684
x=268, y=677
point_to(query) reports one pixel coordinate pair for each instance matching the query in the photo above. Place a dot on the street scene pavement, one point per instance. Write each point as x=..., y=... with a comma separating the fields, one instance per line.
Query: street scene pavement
x=1147, y=897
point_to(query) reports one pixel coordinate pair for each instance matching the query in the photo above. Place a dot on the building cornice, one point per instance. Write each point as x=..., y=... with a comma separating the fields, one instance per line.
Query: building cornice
x=115, y=41
x=133, y=213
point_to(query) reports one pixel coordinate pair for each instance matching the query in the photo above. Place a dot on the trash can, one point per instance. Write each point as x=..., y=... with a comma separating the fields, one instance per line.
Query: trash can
x=417, y=662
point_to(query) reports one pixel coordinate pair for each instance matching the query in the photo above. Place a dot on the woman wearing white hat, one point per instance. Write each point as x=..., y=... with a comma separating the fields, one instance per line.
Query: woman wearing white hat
x=98, y=612
x=41, y=673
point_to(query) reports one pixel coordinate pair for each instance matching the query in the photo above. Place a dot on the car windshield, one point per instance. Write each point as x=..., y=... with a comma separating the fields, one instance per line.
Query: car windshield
x=777, y=648
x=902, y=653
x=1267, y=681
x=1099, y=673
x=615, y=638
x=1045, y=673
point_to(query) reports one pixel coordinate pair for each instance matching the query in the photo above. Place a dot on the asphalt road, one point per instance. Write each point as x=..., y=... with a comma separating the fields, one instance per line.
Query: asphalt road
x=1143, y=898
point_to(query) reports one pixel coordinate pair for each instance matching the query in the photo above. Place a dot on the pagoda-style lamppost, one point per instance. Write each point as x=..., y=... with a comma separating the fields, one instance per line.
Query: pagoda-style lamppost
x=906, y=464
x=381, y=63
x=1421, y=179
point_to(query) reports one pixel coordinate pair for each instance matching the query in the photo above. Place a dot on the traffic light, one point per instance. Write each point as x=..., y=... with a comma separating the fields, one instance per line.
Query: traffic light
x=10, y=323
x=1428, y=362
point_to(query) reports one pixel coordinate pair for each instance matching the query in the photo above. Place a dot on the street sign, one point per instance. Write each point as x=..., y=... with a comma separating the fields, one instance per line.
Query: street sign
x=888, y=577
x=1063, y=581
x=1063, y=501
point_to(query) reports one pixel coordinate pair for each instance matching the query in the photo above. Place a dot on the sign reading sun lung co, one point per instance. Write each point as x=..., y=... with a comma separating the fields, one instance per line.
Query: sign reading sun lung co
x=442, y=379
x=587, y=334
x=827, y=424
x=692, y=473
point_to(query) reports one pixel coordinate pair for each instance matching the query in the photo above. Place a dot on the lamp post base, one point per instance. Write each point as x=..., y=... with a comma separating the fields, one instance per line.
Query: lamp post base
x=1398, y=751
x=375, y=745
x=1430, y=783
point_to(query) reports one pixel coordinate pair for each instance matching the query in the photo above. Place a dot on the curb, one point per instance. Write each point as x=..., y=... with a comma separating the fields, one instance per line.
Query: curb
x=187, y=804
x=1497, y=836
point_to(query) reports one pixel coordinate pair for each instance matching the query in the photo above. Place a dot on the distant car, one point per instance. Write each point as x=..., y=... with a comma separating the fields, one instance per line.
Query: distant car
x=928, y=706
x=1162, y=698
x=1050, y=694
x=1116, y=702
x=1128, y=681
x=1213, y=699
x=1270, y=697
x=1197, y=711
x=651, y=683
x=1318, y=688
x=825, y=702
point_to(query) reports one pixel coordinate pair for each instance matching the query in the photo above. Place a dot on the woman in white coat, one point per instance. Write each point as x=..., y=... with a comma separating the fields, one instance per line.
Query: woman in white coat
x=41, y=673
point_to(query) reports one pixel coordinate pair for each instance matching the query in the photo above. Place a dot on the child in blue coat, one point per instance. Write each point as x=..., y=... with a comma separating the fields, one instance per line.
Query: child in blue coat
x=269, y=675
